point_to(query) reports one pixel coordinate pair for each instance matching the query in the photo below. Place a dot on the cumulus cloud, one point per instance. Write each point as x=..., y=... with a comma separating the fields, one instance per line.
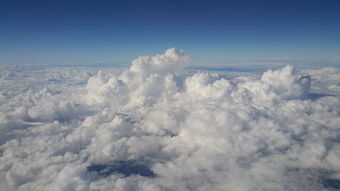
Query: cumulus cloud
x=154, y=126
x=170, y=61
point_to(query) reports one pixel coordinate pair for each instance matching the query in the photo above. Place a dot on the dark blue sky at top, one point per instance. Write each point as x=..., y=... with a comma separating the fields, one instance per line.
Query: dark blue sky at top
x=212, y=31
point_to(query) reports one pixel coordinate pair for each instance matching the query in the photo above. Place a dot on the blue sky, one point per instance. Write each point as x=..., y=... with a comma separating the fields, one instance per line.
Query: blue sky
x=212, y=31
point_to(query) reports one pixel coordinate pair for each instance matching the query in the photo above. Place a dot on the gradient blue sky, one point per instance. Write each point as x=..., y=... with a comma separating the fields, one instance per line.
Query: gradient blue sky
x=212, y=31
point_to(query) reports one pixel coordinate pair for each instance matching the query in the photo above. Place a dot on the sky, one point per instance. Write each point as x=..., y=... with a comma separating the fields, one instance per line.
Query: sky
x=211, y=31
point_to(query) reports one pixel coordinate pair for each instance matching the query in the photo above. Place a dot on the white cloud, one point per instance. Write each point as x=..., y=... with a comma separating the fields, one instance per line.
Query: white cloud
x=194, y=131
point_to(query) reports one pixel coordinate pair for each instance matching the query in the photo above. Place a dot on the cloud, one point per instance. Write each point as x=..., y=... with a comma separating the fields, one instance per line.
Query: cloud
x=170, y=61
x=82, y=129
x=287, y=83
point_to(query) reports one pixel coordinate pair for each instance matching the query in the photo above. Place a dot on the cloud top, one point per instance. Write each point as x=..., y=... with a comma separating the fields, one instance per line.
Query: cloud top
x=172, y=60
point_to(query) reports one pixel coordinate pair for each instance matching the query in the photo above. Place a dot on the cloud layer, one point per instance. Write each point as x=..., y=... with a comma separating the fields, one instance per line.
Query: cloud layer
x=155, y=126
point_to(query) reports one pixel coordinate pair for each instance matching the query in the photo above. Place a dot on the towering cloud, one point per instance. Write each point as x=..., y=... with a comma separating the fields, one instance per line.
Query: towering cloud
x=156, y=126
